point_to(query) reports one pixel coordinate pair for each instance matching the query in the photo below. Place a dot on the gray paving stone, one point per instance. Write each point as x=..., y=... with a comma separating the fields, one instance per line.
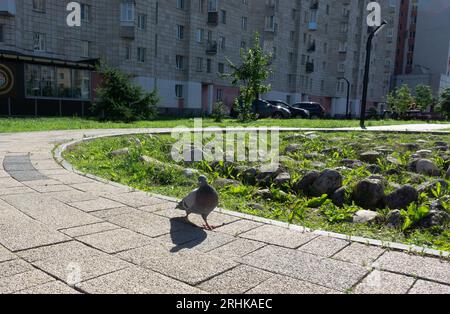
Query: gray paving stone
x=206, y=242
x=18, y=166
x=6, y=255
x=68, y=178
x=214, y=219
x=135, y=199
x=148, y=224
x=27, y=176
x=42, y=183
x=135, y=280
x=53, y=287
x=189, y=266
x=236, y=249
x=46, y=164
x=324, y=246
x=15, y=190
x=96, y=205
x=236, y=281
x=9, y=183
x=279, y=236
x=110, y=213
x=287, y=285
x=49, y=211
x=14, y=267
x=380, y=282
x=360, y=254
x=114, y=241
x=418, y=266
x=99, y=188
x=89, y=229
x=51, y=188
x=304, y=266
x=23, y=281
x=428, y=287
x=73, y=262
x=159, y=207
x=13, y=237
x=72, y=196
x=238, y=227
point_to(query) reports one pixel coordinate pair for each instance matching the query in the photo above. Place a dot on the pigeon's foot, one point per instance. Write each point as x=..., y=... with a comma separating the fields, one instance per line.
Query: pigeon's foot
x=209, y=228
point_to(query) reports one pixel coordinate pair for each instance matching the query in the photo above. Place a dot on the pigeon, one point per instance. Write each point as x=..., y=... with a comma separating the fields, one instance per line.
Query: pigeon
x=201, y=201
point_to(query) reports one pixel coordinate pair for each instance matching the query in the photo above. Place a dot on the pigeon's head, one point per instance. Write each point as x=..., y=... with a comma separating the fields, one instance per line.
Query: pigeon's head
x=202, y=181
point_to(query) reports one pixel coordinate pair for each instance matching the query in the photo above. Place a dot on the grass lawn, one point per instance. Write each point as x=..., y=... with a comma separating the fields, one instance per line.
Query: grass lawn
x=10, y=125
x=287, y=202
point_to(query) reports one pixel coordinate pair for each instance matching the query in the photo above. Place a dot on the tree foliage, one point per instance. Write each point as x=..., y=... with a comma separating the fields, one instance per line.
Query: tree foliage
x=424, y=96
x=250, y=77
x=400, y=100
x=120, y=100
x=444, y=103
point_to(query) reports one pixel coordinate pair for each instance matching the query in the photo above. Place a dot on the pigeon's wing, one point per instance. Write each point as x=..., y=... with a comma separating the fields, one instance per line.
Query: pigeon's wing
x=207, y=199
x=189, y=201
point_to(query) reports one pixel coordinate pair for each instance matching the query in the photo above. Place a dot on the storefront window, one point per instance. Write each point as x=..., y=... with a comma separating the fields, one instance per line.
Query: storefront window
x=56, y=82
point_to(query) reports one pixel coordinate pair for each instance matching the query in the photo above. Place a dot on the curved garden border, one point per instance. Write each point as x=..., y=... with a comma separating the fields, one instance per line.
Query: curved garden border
x=383, y=244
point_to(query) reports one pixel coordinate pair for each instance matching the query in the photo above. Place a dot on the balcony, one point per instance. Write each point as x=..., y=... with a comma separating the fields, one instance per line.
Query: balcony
x=213, y=18
x=312, y=26
x=309, y=67
x=211, y=47
x=127, y=30
x=311, y=47
x=8, y=7
x=314, y=5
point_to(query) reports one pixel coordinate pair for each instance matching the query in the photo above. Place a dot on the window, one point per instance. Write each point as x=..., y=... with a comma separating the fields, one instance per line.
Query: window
x=199, y=64
x=38, y=42
x=56, y=82
x=85, y=12
x=180, y=32
x=179, y=91
x=222, y=43
x=180, y=4
x=208, y=66
x=127, y=11
x=219, y=95
x=2, y=35
x=223, y=17
x=179, y=62
x=244, y=23
x=142, y=21
x=141, y=54
x=199, y=35
x=221, y=68
x=39, y=5
x=85, y=48
x=128, y=53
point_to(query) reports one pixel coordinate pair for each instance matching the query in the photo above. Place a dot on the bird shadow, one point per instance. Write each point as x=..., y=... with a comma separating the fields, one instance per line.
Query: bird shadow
x=185, y=235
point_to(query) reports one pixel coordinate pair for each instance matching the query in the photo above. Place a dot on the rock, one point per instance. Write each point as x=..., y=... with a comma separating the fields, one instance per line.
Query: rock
x=267, y=173
x=369, y=194
x=295, y=137
x=394, y=161
x=440, y=144
x=221, y=182
x=318, y=165
x=410, y=146
x=120, y=152
x=365, y=216
x=424, y=153
x=293, y=148
x=352, y=164
x=249, y=176
x=311, y=135
x=384, y=150
x=312, y=156
x=327, y=183
x=392, y=172
x=370, y=157
x=282, y=178
x=305, y=184
x=429, y=187
x=264, y=194
x=256, y=206
x=402, y=197
x=447, y=175
x=374, y=169
x=441, y=148
x=427, y=167
x=438, y=205
x=434, y=219
x=395, y=219
x=190, y=173
x=339, y=196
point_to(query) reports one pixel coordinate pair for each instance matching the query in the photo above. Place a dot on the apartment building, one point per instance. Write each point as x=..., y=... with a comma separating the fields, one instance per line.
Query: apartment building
x=181, y=48
x=423, y=52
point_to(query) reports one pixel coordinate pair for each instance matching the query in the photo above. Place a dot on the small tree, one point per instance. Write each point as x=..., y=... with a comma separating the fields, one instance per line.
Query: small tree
x=120, y=100
x=219, y=111
x=400, y=100
x=444, y=103
x=424, y=96
x=250, y=77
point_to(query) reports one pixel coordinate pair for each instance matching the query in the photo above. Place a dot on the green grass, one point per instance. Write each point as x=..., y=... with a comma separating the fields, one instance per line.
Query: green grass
x=168, y=179
x=11, y=125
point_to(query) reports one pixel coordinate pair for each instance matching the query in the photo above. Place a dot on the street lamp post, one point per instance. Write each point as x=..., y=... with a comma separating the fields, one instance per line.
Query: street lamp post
x=347, y=110
x=366, y=73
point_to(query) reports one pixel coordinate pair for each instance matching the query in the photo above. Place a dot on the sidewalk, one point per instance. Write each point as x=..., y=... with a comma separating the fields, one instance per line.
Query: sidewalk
x=58, y=228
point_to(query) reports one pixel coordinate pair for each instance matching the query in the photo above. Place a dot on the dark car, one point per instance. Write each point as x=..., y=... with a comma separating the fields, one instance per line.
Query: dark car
x=295, y=112
x=315, y=109
x=264, y=109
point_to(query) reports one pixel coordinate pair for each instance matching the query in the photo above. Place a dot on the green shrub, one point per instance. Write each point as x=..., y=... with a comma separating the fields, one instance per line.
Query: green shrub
x=219, y=111
x=120, y=100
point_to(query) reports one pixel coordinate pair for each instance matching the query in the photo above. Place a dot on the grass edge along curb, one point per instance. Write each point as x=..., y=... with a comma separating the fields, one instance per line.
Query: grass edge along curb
x=411, y=249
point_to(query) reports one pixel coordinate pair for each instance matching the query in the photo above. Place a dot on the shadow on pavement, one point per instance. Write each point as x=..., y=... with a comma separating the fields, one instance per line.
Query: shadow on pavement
x=186, y=237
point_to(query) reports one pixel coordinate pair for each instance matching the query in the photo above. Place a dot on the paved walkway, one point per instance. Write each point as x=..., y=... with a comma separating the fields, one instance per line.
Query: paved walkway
x=64, y=233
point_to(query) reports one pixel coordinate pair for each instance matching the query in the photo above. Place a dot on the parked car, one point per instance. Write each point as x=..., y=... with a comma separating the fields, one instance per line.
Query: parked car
x=295, y=112
x=264, y=109
x=315, y=109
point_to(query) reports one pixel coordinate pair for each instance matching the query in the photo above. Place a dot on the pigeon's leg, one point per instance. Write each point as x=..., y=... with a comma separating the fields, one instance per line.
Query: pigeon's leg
x=188, y=221
x=207, y=226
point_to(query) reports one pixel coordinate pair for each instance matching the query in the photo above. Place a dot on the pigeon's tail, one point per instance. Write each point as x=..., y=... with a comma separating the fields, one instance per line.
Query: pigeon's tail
x=180, y=206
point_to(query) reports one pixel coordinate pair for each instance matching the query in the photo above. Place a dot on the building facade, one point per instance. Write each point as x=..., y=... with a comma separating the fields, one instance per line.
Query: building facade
x=181, y=48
